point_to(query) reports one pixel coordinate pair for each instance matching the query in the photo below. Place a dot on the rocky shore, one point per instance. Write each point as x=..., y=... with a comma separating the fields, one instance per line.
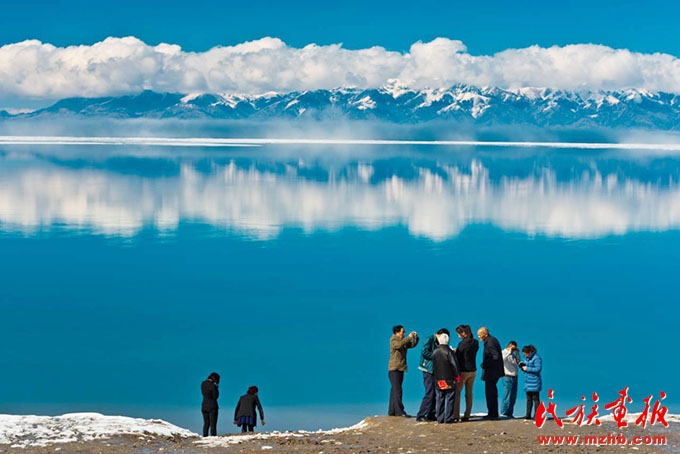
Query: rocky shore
x=375, y=435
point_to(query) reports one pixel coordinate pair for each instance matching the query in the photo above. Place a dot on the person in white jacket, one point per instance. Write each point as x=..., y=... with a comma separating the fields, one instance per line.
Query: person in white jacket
x=510, y=362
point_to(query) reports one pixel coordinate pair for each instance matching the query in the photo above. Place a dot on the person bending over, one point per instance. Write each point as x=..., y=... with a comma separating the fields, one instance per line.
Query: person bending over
x=244, y=415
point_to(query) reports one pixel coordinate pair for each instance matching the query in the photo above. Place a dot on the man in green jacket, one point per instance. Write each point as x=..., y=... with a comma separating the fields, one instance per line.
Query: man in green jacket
x=397, y=366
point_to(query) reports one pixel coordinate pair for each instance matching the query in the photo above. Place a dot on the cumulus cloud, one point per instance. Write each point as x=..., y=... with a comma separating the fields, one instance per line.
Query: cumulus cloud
x=35, y=70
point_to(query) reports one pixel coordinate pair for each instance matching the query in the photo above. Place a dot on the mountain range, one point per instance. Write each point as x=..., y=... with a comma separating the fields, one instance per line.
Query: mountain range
x=396, y=103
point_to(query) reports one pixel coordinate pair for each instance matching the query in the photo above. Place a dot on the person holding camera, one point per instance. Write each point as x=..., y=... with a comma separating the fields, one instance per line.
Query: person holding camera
x=399, y=344
x=510, y=362
x=209, y=407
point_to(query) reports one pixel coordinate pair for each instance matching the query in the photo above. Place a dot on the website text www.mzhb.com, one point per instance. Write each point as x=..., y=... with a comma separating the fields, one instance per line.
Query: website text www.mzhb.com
x=601, y=440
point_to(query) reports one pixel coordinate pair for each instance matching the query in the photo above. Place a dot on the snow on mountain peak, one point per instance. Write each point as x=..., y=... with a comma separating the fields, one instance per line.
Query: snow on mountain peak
x=395, y=87
x=190, y=97
x=537, y=106
x=365, y=103
x=531, y=92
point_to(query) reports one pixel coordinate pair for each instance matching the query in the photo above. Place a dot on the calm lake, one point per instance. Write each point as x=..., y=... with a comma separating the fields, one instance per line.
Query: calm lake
x=128, y=274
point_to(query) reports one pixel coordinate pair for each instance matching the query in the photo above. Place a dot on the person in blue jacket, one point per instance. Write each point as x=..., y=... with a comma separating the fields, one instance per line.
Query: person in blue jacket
x=532, y=379
x=427, y=406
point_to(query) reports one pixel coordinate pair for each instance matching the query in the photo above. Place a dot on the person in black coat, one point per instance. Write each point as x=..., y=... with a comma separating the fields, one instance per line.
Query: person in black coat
x=209, y=407
x=466, y=353
x=244, y=415
x=446, y=375
x=492, y=370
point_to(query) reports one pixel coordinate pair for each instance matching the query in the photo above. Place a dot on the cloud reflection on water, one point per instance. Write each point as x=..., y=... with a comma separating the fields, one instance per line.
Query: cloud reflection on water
x=436, y=202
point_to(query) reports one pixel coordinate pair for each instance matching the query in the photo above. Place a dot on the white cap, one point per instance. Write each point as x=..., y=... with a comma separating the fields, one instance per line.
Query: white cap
x=443, y=339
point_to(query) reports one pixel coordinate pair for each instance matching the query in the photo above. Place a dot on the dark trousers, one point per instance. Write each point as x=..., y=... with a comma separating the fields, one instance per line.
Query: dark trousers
x=491, y=397
x=427, y=406
x=209, y=422
x=396, y=407
x=446, y=398
x=532, y=398
x=246, y=428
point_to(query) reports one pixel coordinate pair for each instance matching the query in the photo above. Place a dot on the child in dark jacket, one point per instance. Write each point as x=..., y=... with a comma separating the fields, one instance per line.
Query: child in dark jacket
x=244, y=415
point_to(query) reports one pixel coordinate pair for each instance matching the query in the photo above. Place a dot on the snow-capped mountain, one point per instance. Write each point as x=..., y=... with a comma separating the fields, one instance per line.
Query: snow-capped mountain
x=396, y=103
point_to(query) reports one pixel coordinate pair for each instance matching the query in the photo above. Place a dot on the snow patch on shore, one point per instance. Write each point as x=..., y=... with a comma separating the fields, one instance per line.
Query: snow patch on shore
x=215, y=442
x=21, y=431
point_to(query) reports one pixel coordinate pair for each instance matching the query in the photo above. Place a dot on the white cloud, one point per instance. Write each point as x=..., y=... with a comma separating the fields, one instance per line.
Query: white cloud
x=35, y=70
x=260, y=204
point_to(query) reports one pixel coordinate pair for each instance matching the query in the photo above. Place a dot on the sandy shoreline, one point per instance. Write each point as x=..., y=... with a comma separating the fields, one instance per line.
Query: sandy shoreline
x=374, y=435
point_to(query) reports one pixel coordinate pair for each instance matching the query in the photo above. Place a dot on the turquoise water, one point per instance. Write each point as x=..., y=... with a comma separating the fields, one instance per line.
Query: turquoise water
x=127, y=274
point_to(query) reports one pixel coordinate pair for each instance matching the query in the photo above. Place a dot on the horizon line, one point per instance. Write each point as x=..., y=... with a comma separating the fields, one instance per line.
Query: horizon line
x=255, y=142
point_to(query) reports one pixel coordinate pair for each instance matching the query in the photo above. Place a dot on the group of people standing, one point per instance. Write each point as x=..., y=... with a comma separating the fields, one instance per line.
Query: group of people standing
x=447, y=371
x=244, y=415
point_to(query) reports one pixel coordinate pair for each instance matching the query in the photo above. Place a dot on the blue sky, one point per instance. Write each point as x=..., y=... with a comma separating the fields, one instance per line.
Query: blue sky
x=485, y=27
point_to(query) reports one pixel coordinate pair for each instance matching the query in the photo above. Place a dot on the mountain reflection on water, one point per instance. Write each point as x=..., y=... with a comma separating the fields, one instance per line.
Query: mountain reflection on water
x=434, y=195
